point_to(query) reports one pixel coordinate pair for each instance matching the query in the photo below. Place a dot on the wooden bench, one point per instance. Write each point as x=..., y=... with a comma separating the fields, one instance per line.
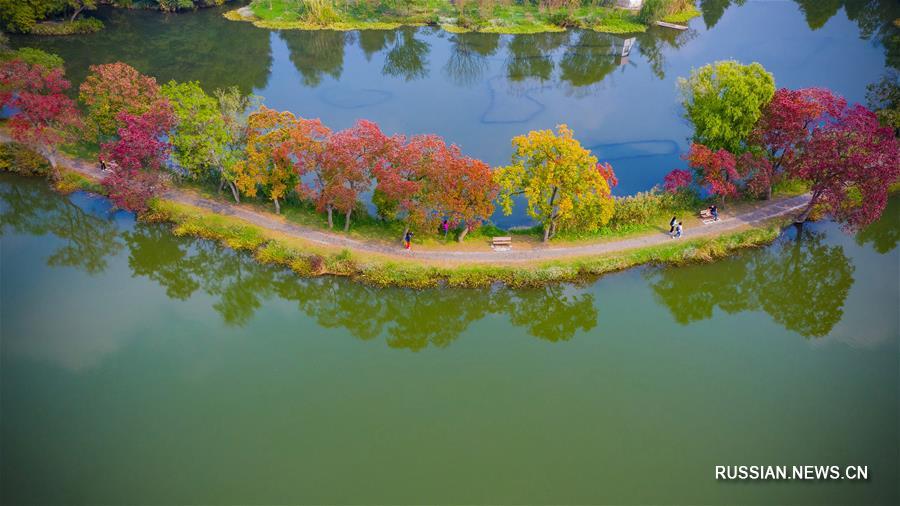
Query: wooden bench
x=707, y=216
x=501, y=242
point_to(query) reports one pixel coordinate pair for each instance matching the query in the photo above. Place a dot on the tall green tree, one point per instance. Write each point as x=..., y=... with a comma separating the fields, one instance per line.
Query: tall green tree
x=22, y=15
x=200, y=137
x=235, y=108
x=724, y=100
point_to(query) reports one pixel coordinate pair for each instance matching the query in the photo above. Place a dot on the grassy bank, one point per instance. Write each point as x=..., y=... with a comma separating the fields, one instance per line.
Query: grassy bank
x=486, y=16
x=312, y=259
x=307, y=259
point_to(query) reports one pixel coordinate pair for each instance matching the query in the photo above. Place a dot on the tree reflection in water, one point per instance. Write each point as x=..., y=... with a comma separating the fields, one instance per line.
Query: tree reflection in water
x=884, y=234
x=88, y=239
x=408, y=56
x=801, y=283
x=531, y=56
x=316, y=53
x=468, y=56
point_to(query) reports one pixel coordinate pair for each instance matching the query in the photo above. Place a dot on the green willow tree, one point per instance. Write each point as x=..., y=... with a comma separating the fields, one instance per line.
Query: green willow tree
x=724, y=100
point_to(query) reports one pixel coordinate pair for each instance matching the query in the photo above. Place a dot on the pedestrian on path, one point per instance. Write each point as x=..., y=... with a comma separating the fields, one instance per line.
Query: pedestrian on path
x=714, y=211
x=407, y=239
x=672, y=225
x=678, y=230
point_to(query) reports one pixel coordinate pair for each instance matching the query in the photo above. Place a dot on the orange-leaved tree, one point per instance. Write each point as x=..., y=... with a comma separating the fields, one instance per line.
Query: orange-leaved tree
x=281, y=148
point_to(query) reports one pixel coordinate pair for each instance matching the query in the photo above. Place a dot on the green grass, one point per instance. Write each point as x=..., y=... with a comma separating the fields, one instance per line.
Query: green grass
x=474, y=16
x=682, y=17
x=308, y=260
x=790, y=188
x=82, y=25
x=70, y=181
x=83, y=150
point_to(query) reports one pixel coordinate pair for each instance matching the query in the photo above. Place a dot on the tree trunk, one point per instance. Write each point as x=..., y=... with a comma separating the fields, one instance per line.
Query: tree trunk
x=549, y=225
x=51, y=157
x=234, y=191
x=77, y=12
x=769, y=193
x=277, y=207
x=221, y=185
x=462, y=235
x=809, y=207
x=347, y=221
x=405, y=230
x=330, y=220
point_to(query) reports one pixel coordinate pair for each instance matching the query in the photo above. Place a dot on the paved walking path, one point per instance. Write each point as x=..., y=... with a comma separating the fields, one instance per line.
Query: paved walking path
x=525, y=254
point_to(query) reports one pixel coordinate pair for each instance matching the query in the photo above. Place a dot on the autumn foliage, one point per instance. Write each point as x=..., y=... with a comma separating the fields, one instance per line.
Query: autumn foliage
x=717, y=170
x=565, y=186
x=812, y=135
x=677, y=180
x=43, y=117
x=114, y=88
x=850, y=161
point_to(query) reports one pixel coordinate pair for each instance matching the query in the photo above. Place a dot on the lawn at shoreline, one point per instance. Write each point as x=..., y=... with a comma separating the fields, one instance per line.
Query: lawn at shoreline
x=484, y=17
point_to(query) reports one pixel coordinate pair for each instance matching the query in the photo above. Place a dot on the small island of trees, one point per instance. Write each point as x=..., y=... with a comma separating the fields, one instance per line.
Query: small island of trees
x=749, y=138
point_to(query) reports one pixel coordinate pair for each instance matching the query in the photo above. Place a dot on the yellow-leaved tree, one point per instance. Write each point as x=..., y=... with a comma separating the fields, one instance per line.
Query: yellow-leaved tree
x=281, y=148
x=565, y=186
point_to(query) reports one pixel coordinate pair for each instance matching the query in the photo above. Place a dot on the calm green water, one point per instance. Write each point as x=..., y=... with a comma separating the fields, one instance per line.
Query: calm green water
x=141, y=368
x=618, y=93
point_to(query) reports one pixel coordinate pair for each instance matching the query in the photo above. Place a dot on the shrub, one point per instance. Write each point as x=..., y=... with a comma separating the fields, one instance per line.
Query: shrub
x=83, y=25
x=562, y=18
x=643, y=208
x=71, y=181
x=318, y=12
x=18, y=159
x=654, y=10
x=677, y=180
x=33, y=56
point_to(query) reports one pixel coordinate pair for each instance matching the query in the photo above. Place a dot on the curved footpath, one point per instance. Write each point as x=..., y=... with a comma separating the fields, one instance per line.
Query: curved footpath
x=279, y=224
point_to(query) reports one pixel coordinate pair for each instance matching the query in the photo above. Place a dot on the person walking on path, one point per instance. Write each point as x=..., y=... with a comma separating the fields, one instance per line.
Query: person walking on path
x=407, y=239
x=714, y=211
x=678, y=230
x=445, y=226
x=672, y=225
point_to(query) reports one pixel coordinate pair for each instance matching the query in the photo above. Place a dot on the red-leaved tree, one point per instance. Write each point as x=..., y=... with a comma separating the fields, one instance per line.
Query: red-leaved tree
x=113, y=88
x=348, y=162
x=717, y=170
x=851, y=160
x=403, y=190
x=759, y=174
x=139, y=155
x=43, y=117
x=606, y=170
x=677, y=179
x=785, y=127
x=463, y=189
x=132, y=189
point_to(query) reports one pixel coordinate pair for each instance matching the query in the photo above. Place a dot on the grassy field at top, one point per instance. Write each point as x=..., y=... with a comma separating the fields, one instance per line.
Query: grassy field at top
x=486, y=16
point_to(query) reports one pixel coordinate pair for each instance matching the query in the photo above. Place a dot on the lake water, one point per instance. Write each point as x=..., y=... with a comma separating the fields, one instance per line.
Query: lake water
x=141, y=368
x=619, y=94
x=137, y=367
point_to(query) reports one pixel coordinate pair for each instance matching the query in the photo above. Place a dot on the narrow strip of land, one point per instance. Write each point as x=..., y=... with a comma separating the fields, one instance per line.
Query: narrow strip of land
x=726, y=224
